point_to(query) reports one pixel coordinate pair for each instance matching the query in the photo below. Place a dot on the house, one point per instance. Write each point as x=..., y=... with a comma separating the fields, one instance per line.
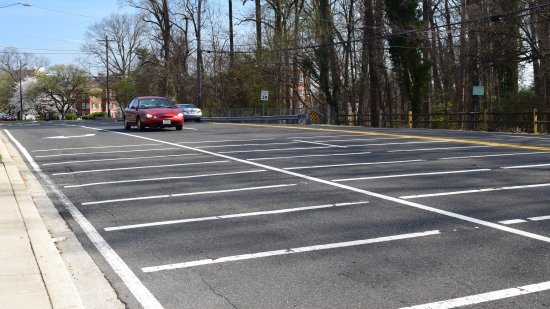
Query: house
x=94, y=103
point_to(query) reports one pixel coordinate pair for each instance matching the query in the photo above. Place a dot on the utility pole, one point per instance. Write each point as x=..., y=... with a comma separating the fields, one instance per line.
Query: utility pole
x=20, y=91
x=107, y=82
x=199, y=54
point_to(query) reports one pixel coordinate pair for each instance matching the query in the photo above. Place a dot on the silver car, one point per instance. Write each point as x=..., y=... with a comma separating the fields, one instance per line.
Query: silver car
x=190, y=112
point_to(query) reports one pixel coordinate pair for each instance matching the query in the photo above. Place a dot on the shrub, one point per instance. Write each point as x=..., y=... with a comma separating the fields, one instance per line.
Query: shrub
x=70, y=116
x=94, y=115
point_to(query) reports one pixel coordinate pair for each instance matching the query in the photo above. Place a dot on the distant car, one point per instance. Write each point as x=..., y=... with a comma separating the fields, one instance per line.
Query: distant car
x=157, y=112
x=5, y=117
x=190, y=111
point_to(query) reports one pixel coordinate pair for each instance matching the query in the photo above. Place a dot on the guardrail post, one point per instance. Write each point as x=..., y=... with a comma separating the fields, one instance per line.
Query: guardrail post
x=485, y=126
x=410, y=119
x=535, y=121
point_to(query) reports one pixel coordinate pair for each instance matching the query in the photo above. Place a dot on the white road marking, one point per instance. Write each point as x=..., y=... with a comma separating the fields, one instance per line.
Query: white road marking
x=288, y=251
x=357, y=190
x=185, y=194
x=186, y=128
x=232, y=216
x=159, y=179
x=525, y=166
x=498, y=155
x=243, y=145
x=512, y=221
x=270, y=150
x=118, y=159
x=485, y=297
x=442, y=148
x=136, y=287
x=103, y=152
x=475, y=191
x=66, y=137
x=360, y=139
x=323, y=136
x=414, y=175
x=351, y=164
x=228, y=141
x=328, y=146
x=402, y=143
x=94, y=147
x=139, y=167
x=318, y=143
x=527, y=137
x=541, y=218
x=309, y=156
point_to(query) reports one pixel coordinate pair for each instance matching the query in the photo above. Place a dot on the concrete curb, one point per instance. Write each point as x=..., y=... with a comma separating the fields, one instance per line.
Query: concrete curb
x=56, y=279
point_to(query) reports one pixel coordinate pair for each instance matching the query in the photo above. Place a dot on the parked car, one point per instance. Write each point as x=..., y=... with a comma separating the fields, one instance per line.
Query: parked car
x=190, y=111
x=5, y=117
x=155, y=112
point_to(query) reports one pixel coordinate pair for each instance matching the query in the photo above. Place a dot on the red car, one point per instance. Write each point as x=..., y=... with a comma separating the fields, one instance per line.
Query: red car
x=155, y=112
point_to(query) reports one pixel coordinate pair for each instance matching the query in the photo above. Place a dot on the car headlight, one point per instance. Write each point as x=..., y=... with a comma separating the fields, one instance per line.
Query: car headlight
x=148, y=116
x=180, y=115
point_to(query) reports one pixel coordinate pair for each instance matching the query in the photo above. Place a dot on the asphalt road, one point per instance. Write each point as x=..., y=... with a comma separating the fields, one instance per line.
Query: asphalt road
x=241, y=216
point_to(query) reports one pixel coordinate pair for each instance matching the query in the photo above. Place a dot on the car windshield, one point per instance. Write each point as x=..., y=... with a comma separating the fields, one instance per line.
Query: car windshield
x=181, y=106
x=155, y=103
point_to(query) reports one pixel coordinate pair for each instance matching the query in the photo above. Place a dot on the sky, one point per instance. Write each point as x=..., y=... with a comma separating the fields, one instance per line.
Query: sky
x=52, y=28
x=55, y=28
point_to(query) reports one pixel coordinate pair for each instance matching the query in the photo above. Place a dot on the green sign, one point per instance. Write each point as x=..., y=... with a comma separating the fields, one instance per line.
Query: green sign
x=478, y=90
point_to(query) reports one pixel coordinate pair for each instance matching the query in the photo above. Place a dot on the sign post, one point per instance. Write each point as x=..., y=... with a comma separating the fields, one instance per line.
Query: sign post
x=264, y=96
x=477, y=91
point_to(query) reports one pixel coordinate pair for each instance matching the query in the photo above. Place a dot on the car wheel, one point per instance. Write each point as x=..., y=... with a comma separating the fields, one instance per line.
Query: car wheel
x=179, y=127
x=127, y=125
x=140, y=125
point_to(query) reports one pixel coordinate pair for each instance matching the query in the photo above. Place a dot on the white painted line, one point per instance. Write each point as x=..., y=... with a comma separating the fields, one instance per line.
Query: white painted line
x=159, y=179
x=66, y=137
x=525, y=166
x=442, y=148
x=361, y=139
x=244, y=145
x=541, y=218
x=103, y=152
x=351, y=164
x=318, y=143
x=414, y=175
x=402, y=143
x=476, y=191
x=442, y=212
x=512, y=221
x=527, y=137
x=288, y=251
x=271, y=150
x=309, y=156
x=231, y=216
x=132, y=282
x=94, y=147
x=138, y=167
x=498, y=155
x=185, y=194
x=192, y=129
x=323, y=136
x=117, y=159
x=228, y=141
x=485, y=297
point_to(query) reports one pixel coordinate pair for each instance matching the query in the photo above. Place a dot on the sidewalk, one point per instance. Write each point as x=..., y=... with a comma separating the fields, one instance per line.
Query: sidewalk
x=32, y=272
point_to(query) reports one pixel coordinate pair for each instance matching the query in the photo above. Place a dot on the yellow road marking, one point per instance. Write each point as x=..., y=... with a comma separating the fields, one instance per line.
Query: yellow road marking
x=429, y=138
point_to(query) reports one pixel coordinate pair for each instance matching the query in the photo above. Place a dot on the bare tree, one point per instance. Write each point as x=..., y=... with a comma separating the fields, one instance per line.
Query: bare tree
x=126, y=34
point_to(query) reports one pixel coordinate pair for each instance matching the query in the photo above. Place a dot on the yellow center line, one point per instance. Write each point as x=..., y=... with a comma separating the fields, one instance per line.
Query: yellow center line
x=429, y=138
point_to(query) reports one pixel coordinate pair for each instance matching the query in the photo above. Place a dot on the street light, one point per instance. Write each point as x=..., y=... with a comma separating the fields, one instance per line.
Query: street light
x=14, y=4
